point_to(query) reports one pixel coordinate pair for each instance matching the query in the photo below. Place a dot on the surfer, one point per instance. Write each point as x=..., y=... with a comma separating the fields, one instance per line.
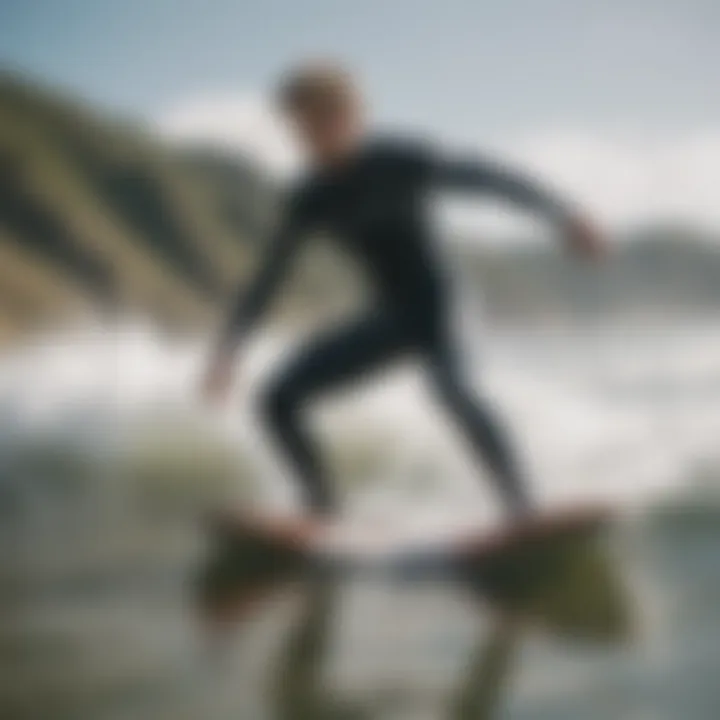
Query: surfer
x=372, y=194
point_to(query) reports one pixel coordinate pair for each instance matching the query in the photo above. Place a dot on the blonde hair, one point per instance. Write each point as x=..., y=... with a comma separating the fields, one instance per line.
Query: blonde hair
x=316, y=84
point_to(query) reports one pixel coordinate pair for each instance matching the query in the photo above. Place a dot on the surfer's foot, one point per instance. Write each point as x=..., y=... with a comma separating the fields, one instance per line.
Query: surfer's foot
x=521, y=511
x=512, y=488
x=320, y=504
x=299, y=530
x=556, y=520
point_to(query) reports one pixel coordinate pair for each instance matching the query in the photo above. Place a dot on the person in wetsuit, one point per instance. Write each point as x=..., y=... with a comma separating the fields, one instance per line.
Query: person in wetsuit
x=372, y=195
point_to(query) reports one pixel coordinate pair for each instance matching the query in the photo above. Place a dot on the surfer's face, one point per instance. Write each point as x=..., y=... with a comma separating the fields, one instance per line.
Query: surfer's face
x=328, y=129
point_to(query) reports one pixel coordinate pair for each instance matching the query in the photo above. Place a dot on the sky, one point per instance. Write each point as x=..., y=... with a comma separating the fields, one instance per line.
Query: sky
x=614, y=101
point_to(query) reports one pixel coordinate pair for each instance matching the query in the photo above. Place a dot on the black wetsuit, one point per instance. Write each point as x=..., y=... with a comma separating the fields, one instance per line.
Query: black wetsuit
x=376, y=206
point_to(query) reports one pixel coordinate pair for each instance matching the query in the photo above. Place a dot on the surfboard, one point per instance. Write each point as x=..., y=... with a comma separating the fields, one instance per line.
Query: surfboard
x=264, y=542
x=553, y=569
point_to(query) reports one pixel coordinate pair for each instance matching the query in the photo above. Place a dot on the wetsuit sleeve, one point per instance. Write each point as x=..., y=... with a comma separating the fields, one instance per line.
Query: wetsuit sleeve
x=499, y=181
x=250, y=302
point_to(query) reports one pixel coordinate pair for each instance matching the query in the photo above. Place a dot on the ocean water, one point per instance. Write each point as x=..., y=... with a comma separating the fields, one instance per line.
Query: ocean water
x=108, y=465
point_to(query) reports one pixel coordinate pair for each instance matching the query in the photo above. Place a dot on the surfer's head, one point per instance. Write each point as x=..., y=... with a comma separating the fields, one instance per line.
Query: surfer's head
x=323, y=103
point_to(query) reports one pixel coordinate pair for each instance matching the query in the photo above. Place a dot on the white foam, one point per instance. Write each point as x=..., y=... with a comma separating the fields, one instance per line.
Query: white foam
x=618, y=417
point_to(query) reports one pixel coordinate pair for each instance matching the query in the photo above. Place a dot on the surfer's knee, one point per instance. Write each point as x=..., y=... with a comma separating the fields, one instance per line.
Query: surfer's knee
x=446, y=386
x=278, y=403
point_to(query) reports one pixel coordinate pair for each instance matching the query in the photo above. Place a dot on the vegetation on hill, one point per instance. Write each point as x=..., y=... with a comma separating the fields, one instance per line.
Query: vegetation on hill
x=120, y=217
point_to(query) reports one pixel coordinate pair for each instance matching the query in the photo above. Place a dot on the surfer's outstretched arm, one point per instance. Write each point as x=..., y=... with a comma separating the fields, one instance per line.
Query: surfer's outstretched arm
x=492, y=178
x=250, y=302
x=281, y=250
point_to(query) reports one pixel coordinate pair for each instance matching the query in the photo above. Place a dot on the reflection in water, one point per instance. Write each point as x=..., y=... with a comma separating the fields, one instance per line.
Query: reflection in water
x=577, y=595
x=480, y=694
x=299, y=690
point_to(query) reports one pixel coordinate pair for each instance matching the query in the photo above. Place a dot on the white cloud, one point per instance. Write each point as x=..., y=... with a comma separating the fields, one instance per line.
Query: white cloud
x=624, y=178
x=245, y=123
x=633, y=179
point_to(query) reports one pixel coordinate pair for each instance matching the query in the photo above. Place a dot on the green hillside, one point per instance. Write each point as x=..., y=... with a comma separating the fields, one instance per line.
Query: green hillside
x=122, y=221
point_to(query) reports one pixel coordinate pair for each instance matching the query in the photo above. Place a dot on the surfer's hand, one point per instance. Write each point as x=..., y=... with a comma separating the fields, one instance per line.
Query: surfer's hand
x=584, y=238
x=217, y=381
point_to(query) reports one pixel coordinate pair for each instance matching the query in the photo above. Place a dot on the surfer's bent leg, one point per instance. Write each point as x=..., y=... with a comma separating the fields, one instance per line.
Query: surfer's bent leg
x=479, y=423
x=335, y=359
